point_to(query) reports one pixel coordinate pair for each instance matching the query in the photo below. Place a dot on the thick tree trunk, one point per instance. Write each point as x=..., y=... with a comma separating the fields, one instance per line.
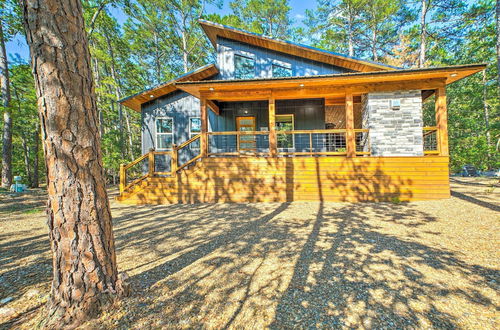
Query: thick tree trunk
x=7, y=116
x=423, y=35
x=36, y=142
x=85, y=273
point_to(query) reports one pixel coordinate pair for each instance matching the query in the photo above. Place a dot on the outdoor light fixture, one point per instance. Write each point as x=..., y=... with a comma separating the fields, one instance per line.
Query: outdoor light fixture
x=301, y=85
x=395, y=104
x=453, y=75
x=211, y=88
x=151, y=96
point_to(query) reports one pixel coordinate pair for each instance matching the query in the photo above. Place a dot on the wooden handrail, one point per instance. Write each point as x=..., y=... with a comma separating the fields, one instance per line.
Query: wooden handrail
x=191, y=140
x=126, y=167
x=313, y=131
x=239, y=133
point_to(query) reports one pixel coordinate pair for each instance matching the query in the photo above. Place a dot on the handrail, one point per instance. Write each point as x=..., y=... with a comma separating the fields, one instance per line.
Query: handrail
x=428, y=131
x=191, y=140
x=239, y=133
x=126, y=167
x=313, y=131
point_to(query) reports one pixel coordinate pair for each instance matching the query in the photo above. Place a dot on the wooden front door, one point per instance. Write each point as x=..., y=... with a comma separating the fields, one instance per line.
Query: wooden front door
x=246, y=142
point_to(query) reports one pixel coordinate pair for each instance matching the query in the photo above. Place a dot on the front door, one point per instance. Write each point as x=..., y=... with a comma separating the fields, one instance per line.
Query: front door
x=246, y=142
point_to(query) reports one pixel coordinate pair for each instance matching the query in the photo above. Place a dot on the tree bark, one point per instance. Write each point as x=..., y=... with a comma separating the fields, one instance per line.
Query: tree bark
x=423, y=35
x=85, y=276
x=7, y=115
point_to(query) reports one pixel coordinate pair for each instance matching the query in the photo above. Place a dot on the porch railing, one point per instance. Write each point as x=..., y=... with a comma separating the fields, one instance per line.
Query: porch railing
x=159, y=163
x=430, y=137
x=238, y=143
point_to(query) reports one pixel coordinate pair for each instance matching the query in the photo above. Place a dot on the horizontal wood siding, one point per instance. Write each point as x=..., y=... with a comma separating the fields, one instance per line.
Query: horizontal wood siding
x=337, y=179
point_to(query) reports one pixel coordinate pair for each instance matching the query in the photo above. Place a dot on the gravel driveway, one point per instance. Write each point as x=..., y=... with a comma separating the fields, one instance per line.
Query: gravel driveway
x=429, y=264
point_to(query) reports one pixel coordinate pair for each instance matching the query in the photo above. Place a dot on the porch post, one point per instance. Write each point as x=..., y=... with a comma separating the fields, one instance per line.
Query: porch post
x=349, y=125
x=273, y=145
x=204, y=127
x=442, y=121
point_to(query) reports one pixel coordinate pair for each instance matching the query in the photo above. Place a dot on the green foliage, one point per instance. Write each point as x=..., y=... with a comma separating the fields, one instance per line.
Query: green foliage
x=268, y=17
x=160, y=39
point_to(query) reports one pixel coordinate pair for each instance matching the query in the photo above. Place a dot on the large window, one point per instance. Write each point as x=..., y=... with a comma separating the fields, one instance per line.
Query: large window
x=244, y=67
x=281, y=71
x=285, y=123
x=164, y=133
x=194, y=129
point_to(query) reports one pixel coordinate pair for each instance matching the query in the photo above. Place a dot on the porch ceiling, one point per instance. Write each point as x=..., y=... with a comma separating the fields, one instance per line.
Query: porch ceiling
x=335, y=85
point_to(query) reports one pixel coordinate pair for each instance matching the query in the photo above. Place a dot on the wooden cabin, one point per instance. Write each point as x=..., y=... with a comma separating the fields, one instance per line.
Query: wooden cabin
x=278, y=121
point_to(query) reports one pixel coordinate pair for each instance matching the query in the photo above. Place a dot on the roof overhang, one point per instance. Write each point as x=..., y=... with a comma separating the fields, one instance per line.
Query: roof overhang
x=214, y=30
x=135, y=101
x=329, y=85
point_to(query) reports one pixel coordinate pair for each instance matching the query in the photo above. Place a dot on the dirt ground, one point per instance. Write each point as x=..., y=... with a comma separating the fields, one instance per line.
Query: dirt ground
x=432, y=264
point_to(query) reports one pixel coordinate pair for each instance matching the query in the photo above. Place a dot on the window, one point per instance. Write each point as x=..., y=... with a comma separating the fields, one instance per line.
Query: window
x=244, y=67
x=281, y=71
x=194, y=129
x=285, y=123
x=164, y=133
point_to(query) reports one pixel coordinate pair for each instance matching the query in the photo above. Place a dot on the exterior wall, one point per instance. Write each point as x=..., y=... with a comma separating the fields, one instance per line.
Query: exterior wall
x=394, y=132
x=178, y=105
x=285, y=179
x=264, y=59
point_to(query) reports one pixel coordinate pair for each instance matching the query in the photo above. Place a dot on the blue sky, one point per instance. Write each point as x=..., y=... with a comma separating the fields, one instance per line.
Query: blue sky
x=18, y=47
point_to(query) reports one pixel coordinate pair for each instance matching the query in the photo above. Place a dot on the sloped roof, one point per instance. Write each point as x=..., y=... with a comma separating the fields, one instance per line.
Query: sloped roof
x=214, y=30
x=134, y=101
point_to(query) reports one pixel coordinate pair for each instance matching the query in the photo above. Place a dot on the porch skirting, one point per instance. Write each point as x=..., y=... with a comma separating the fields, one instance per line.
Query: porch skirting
x=286, y=179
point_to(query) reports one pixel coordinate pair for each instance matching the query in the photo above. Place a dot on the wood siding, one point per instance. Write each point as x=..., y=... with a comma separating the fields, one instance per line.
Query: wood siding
x=265, y=58
x=336, y=179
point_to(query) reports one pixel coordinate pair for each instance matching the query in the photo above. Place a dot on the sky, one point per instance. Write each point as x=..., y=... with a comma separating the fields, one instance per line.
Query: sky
x=17, y=48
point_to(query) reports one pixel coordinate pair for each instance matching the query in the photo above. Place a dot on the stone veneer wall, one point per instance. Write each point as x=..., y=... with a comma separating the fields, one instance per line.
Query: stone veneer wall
x=394, y=132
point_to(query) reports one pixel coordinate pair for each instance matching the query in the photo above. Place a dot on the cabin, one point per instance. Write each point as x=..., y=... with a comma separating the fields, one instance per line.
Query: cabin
x=276, y=121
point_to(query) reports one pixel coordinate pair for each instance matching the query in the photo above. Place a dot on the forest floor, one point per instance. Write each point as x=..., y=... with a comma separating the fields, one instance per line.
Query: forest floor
x=433, y=264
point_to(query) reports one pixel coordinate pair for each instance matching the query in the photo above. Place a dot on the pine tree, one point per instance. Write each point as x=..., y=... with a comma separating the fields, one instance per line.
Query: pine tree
x=85, y=273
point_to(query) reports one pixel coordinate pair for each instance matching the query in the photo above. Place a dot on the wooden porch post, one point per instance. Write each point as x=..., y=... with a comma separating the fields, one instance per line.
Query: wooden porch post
x=273, y=145
x=204, y=127
x=442, y=121
x=349, y=125
x=123, y=178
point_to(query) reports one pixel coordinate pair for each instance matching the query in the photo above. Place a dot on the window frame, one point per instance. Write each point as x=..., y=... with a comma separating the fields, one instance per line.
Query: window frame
x=193, y=145
x=293, y=128
x=283, y=66
x=248, y=57
x=159, y=134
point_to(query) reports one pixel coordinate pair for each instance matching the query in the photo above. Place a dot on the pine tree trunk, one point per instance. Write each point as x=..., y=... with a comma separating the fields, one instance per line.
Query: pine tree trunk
x=423, y=35
x=85, y=276
x=7, y=116
x=36, y=141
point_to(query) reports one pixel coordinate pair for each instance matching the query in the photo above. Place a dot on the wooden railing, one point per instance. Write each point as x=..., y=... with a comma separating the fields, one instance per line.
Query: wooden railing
x=238, y=143
x=159, y=163
x=430, y=136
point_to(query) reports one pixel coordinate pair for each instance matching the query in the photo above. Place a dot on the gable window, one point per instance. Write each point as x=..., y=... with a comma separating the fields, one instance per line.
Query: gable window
x=281, y=71
x=244, y=67
x=164, y=129
x=194, y=129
